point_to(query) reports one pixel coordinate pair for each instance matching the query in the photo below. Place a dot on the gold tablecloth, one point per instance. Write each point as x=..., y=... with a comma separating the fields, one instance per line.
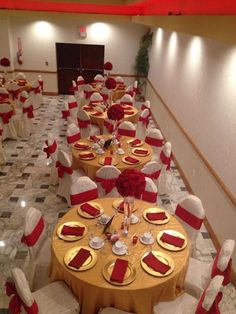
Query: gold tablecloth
x=93, y=291
x=91, y=166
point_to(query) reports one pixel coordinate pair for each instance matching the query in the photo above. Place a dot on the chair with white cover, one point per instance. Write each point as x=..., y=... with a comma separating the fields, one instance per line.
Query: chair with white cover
x=126, y=128
x=96, y=99
x=200, y=273
x=83, y=190
x=27, y=116
x=14, y=90
x=142, y=124
x=106, y=178
x=54, y=298
x=73, y=106
x=152, y=170
x=65, y=111
x=84, y=123
x=51, y=150
x=112, y=310
x=6, y=114
x=155, y=138
x=120, y=84
x=146, y=105
x=187, y=304
x=41, y=83
x=105, y=93
x=88, y=91
x=2, y=153
x=98, y=79
x=23, y=96
x=126, y=100
x=20, y=76
x=135, y=89
x=80, y=82
x=165, y=186
x=72, y=133
x=191, y=214
x=36, y=94
x=150, y=192
x=4, y=94
x=108, y=126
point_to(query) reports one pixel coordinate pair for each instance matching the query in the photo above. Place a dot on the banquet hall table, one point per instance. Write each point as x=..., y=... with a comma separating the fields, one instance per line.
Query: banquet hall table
x=99, y=119
x=91, y=166
x=145, y=290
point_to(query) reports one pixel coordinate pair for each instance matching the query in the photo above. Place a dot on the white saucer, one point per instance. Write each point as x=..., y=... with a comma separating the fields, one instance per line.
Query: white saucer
x=120, y=152
x=103, y=222
x=122, y=252
x=134, y=219
x=145, y=242
x=100, y=152
x=96, y=247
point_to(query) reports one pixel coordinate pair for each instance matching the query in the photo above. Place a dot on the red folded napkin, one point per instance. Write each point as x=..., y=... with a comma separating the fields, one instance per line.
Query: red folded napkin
x=107, y=161
x=151, y=261
x=135, y=142
x=119, y=270
x=94, y=138
x=89, y=209
x=141, y=151
x=173, y=240
x=88, y=155
x=82, y=146
x=129, y=112
x=97, y=113
x=72, y=230
x=80, y=258
x=156, y=216
x=121, y=206
x=132, y=160
x=88, y=108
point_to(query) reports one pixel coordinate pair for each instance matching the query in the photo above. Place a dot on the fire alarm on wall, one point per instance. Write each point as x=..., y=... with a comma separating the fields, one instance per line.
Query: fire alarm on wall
x=82, y=32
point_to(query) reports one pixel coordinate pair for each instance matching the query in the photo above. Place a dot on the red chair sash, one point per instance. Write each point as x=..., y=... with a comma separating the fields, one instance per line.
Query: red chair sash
x=33, y=237
x=50, y=149
x=29, y=111
x=41, y=84
x=104, y=96
x=94, y=102
x=36, y=90
x=15, y=303
x=154, y=141
x=73, y=138
x=83, y=124
x=65, y=114
x=63, y=169
x=83, y=197
x=214, y=308
x=88, y=94
x=154, y=175
x=23, y=99
x=145, y=107
x=6, y=116
x=226, y=273
x=73, y=88
x=131, y=93
x=14, y=93
x=149, y=196
x=107, y=184
x=126, y=103
x=188, y=217
x=72, y=105
x=145, y=121
x=109, y=126
x=125, y=132
x=165, y=160
x=80, y=82
x=3, y=96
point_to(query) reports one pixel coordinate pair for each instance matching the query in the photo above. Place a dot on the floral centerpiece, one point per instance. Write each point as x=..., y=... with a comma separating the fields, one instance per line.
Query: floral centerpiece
x=108, y=66
x=115, y=113
x=110, y=83
x=130, y=184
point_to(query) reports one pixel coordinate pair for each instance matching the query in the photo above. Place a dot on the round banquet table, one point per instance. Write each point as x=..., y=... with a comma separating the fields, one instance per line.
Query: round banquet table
x=91, y=166
x=99, y=120
x=91, y=288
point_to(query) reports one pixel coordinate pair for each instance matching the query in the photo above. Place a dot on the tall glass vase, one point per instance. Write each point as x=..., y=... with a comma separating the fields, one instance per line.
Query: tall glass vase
x=128, y=208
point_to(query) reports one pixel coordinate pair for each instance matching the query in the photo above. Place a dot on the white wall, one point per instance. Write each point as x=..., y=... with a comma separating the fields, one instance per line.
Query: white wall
x=5, y=51
x=199, y=88
x=121, y=40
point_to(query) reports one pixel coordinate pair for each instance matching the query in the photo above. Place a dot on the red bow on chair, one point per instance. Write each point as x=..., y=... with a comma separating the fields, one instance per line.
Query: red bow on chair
x=226, y=273
x=15, y=303
x=33, y=237
x=23, y=99
x=154, y=175
x=65, y=114
x=145, y=121
x=62, y=169
x=14, y=94
x=50, y=149
x=3, y=97
x=36, y=90
x=29, y=111
x=83, y=124
x=165, y=160
x=107, y=184
x=6, y=116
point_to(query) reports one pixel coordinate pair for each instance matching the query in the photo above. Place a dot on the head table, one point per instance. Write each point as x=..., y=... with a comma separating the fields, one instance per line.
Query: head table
x=91, y=287
x=91, y=166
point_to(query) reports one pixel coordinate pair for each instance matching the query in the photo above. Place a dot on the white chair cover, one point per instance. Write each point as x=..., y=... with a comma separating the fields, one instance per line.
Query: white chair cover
x=165, y=179
x=88, y=91
x=98, y=78
x=41, y=82
x=20, y=76
x=105, y=93
x=152, y=169
x=156, y=140
x=106, y=177
x=7, y=123
x=36, y=94
x=73, y=106
x=127, y=128
x=150, y=192
x=27, y=116
x=72, y=134
x=127, y=100
x=82, y=190
x=14, y=90
x=65, y=111
x=86, y=129
x=52, y=149
x=96, y=98
x=142, y=124
x=119, y=80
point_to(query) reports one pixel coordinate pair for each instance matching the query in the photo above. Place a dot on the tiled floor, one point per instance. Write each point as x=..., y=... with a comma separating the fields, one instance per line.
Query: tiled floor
x=24, y=182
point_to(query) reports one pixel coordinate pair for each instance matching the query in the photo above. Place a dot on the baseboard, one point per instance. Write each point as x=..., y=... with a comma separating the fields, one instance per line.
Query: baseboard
x=50, y=93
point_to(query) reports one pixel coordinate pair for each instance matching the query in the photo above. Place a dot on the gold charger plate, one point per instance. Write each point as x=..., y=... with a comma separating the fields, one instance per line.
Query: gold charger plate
x=130, y=274
x=156, y=210
x=88, y=158
x=117, y=202
x=70, y=237
x=140, y=155
x=89, y=263
x=164, y=258
x=137, y=145
x=169, y=246
x=82, y=143
x=86, y=215
x=130, y=163
x=113, y=163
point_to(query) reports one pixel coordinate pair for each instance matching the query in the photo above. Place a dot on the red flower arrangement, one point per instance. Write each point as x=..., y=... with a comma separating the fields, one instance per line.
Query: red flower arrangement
x=110, y=83
x=131, y=183
x=5, y=62
x=115, y=112
x=108, y=66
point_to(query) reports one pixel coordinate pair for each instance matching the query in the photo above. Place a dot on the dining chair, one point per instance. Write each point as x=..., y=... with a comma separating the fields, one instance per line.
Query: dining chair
x=88, y=91
x=105, y=93
x=65, y=111
x=41, y=82
x=96, y=98
x=73, y=106
x=2, y=152
x=152, y=170
x=72, y=133
x=165, y=186
x=20, y=76
x=142, y=124
x=146, y=105
x=155, y=138
x=187, y=304
x=14, y=90
x=27, y=116
x=106, y=178
x=150, y=192
x=120, y=84
x=112, y=310
x=190, y=213
x=36, y=94
x=51, y=149
x=127, y=128
x=6, y=114
x=80, y=81
x=127, y=100
x=54, y=298
x=84, y=123
x=23, y=97
x=98, y=78
x=4, y=94
x=83, y=190
x=200, y=273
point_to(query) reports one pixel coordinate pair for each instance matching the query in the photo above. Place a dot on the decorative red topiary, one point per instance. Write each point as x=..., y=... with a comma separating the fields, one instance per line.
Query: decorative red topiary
x=110, y=83
x=115, y=112
x=131, y=183
x=5, y=62
x=108, y=66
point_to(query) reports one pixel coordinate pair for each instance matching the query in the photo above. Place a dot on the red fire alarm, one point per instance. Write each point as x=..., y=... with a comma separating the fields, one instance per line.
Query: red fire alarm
x=82, y=32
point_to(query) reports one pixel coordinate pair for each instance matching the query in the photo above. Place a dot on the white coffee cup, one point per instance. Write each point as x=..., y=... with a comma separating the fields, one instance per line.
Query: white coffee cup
x=120, y=151
x=96, y=241
x=100, y=151
x=95, y=145
x=119, y=246
x=104, y=219
x=147, y=236
x=133, y=218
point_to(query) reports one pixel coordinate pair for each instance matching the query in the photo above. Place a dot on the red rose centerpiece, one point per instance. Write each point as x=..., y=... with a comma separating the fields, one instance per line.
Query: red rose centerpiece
x=108, y=66
x=115, y=112
x=110, y=83
x=130, y=184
